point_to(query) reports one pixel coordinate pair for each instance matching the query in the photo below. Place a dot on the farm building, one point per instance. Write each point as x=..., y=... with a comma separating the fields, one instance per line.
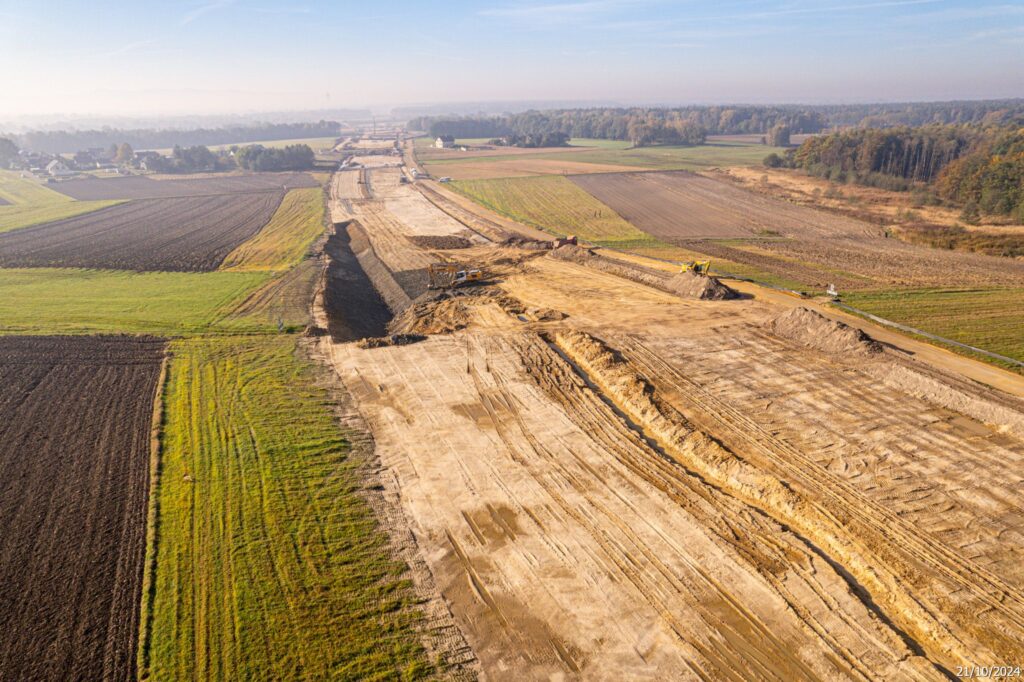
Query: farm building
x=444, y=142
x=58, y=168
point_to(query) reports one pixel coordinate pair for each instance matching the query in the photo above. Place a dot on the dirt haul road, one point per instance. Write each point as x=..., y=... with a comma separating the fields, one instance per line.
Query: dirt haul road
x=608, y=481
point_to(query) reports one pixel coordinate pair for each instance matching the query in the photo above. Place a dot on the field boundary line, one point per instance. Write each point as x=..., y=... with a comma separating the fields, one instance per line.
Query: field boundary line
x=152, y=516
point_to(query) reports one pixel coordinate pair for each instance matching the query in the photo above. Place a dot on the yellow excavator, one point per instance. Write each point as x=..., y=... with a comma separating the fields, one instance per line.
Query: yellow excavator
x=450, y=275
x=700, y=267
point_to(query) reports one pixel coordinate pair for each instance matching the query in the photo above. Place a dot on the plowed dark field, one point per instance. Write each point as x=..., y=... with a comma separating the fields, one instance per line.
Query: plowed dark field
x=682, y=205
x=140, y=187
x=75, y=419
x=181, y=234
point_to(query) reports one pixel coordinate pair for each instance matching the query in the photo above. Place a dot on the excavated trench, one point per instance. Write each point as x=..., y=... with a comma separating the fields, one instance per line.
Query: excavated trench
x=355, y=309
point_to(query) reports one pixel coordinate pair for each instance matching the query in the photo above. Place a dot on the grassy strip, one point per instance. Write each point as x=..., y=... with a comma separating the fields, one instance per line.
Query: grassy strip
x=619, y=153
x=556, y=205
x=285, y=240
x=551, y=203
x=269, y=563
x=986, y=318
x=33, y=204
x=71, y=301
x=17, y=217
x=673, y=158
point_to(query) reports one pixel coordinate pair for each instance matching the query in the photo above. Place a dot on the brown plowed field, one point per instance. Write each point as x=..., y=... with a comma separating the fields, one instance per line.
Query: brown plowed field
x=141, y=187
x=682, y=205
x=75, y=419
x=179, y=234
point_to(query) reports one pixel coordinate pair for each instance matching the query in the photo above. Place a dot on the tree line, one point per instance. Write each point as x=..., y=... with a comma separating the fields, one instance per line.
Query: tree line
x=641, y=126
x=59, y=141
x=980, y=168
x=254, y=157
x=685, y=125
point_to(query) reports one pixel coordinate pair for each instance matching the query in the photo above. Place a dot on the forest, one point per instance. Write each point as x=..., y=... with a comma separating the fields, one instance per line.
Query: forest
x=641, y=126
x=688, y=125
x=978, y=167
x=58, y=141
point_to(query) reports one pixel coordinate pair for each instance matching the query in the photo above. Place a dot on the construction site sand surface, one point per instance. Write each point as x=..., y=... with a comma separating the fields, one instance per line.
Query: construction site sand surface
x=610, y=481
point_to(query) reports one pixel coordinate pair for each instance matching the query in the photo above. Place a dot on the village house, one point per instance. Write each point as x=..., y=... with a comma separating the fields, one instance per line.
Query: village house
x=58, y=169
x=444, y=142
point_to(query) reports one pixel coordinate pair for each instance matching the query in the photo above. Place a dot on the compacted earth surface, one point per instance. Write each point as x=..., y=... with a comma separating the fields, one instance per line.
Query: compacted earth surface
x=614, y=474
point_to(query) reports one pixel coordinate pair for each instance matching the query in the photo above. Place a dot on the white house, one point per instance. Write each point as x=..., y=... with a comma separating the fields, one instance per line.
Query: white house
x=58, y=168
x=444, y=142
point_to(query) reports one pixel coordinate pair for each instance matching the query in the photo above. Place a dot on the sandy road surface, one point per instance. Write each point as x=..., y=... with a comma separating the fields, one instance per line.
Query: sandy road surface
x=566, y=545
x=770, y=511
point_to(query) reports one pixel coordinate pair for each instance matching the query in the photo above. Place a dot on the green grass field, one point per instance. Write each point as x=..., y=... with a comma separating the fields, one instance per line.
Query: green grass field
x=32, y=203
x=673, y=158
x=551, y=203
x=69, y=301
x=618, y=152
x=986, y=318
x=269, y=564
x=285, y=240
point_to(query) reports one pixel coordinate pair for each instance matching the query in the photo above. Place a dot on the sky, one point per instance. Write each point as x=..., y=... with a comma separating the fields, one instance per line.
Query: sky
x=238, y=56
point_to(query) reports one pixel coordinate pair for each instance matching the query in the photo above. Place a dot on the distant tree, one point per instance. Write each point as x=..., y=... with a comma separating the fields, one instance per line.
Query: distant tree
x=778, y=136
x=256, y=157
x=773, y=160
x=8, y=151
x=971, y=215
x=124, y=153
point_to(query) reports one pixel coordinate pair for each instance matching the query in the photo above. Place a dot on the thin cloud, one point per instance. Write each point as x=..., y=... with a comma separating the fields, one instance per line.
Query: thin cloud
x=967, y=13
x=561, y=11
x=831, y=9
x=128, y=47
x=204, y=10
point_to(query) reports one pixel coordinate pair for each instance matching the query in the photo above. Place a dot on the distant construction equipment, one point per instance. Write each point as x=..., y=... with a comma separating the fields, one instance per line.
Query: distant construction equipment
x=450, y=275
x=700, y=267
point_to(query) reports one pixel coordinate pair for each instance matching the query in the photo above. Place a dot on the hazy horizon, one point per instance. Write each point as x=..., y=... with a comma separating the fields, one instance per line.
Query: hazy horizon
x=217, y=57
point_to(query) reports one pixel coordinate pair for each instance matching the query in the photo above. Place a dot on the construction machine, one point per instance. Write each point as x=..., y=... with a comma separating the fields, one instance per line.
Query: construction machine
x=450, y=275
x=700, y=267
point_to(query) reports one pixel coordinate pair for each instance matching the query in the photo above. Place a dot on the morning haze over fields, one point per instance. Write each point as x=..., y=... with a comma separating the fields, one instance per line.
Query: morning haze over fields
x=582, y=340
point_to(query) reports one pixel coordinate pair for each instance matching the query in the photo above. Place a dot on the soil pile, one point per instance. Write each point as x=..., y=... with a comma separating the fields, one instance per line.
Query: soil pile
x=691, y=285
x=686, y=285
x=574, y=253
x=436, y=312
x=447, y=311
x=392, y=340
x=812, y=329
x=433, y=241
x=524, y=243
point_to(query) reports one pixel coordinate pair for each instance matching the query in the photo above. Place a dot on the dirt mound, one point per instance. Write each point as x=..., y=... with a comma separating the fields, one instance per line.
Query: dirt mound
x=811, y=328
x=444, y=312
x=524, y=243
x=433, y=241
x=691, y=285
x=392, y=340
x=574, y=253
